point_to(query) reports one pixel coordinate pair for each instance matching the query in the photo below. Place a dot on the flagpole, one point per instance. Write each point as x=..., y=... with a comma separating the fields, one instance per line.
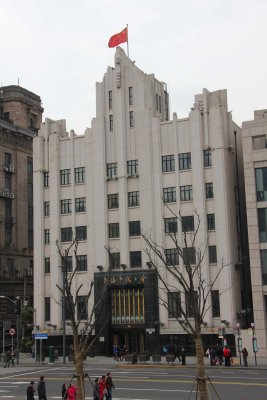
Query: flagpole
x=127, y=41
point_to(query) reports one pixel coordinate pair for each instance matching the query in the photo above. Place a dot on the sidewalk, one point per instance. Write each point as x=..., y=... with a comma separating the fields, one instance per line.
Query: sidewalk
x=26, y=362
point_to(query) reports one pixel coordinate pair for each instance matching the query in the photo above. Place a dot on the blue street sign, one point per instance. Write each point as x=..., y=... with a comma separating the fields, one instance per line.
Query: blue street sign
x=41, y=336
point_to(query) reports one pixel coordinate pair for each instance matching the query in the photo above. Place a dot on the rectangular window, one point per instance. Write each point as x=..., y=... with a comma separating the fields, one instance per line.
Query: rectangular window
x=131, y=119
x=68, y=261
x=170, y=225
x=47, y=265
x=261, y=183
x=114, y=230
x=166, y=105
x=81, y=233
x=47, y=235
x=184, y=161
x=65, y=206
x=132, y=167
x=113, y=201
x=172, y=257
x=114, y=260
x=174, y=305
x=259, y=142
x=160, y=104
x=212, y=255
x=211, y=222
x=82, y=307
x=8, y=160
x=135, y=259
x=111, y=123
x=133, y=199
x=157, y=101
x=209, y=190
x=189, y=256
x=188, y=223
x=66, y=234
x=127, y=305
x=47, y=308
x=46, y=179
x=189, y=304
x=110, y=99
x=130, y=96
x=134, y=228
x=46, y=208
x=65, y=177
x=169, y=195
x=80, y=204
x=264, y=266
x=262, y=220
x=112, y=169
x=215, y=303
x=81, y=263
x=207, y=158
x=168, y=163
x=79, y=174
x=186, y=193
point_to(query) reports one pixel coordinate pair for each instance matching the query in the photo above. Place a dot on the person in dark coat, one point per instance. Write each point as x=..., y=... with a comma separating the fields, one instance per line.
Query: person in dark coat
x=109, y=386
x=245, y=356
x=96, y=393
x=64, y=391
x=30, y=391
x=41, y=389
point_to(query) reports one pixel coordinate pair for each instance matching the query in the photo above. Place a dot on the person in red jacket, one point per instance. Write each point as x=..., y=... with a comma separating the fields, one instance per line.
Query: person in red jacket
x=102, y=387
x=72, y=392
x=227, y=356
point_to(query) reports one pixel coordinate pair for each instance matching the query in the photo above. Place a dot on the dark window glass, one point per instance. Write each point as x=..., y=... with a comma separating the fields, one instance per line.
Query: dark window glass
x=79, y=174
x=66, y=234
x=174, y=304
x=114, y=260
x=81, y=233
x=135, y=259
x=46, y=179
x=47, y=235
x=262, y=220
x=46, y=208
x=264, y=266
x=111, y=122
x=211, y=222
x=114, y=230
x=261, y=184
x=81, y=262
x=186, y=193
x=112, y=169
x=47, y=265
x=8, y=159
x=184, y=161
x=134, y=228
x=130, y=96
x=110, y=99
x=172, y=257
x=169, y=195
x=133, y=199
x=212, y=255
x=113, y=200
x=131, y=117
x=209, y=190
x=207, y=158
x=171, y=225
x=47, y=308
x=80, y=204
x=65, y=177
x=168, y=163
x=68, y=263
x=215, y=303
x=82, y=307
x=189, y=256
x=189, y=304
x=188, y=223
x=65, y=206
x=132, y=167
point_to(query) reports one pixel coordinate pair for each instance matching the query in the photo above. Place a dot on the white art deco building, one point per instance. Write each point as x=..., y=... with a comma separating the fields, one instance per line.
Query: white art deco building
x=109, y=185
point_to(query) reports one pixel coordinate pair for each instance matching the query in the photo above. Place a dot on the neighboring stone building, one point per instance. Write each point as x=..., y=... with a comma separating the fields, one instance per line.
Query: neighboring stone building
x=107, y=187
x=20, y=119
x=255, y=166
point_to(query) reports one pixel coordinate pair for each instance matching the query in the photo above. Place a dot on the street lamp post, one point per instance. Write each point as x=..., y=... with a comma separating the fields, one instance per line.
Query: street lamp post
x=17, y=304
x=254, y=342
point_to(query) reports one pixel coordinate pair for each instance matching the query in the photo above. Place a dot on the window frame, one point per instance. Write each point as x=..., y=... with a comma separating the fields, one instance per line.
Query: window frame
x=113, y=230
x=79, y=175
x=134, y=228
x=184, y=161
x=113, y=201
x=65, y=206
x=174, y=305
x=135, y=259
x=168, y=163
x=81, y=263
x=169, y=194
x=171, y=222
x=188, y=223
x=171, y=257
x=186, y=193
x=65, y=177
x=134, y=199
x=132, y=168
x=81, y=233
x=112, y=170
x=80, y=204
x=65, y=234
x=209, y=190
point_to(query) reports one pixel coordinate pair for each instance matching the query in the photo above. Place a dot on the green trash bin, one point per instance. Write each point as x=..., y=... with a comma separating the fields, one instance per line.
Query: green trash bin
x=51, y=354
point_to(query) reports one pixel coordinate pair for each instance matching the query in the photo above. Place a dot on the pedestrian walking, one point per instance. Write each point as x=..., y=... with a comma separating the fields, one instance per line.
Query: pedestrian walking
x=64, y=391
x=227, y=356
x=96, y=392
x=109, y=386
x=30, y=391
x=245, y=356
x=102, y=387
x=220, y=355
x=72, y=392
x=41, y=389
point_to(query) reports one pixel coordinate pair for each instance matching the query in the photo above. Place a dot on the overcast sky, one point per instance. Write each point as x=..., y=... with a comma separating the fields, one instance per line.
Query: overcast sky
x=58, y=50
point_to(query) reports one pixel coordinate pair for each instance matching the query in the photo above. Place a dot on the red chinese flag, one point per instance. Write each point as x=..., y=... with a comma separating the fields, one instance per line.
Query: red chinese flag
x=119, y=38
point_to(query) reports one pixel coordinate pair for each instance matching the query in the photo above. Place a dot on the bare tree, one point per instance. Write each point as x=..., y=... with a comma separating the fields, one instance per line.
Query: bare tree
x=188, y=280
x=84, y=336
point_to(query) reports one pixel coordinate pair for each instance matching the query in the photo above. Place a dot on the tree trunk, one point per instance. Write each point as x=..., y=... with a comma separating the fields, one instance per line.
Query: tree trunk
x=78, y=356
x=202, y=382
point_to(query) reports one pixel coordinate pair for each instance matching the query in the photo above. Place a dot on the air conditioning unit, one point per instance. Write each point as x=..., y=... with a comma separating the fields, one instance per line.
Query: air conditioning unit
x=6, y=168
x=12, y=195
x=11, y=168
x=6, y=192
x=29, y=271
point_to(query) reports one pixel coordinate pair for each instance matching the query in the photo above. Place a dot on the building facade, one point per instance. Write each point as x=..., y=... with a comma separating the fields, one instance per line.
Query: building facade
x=255, y=167
x=20, y=118
x=129, y=174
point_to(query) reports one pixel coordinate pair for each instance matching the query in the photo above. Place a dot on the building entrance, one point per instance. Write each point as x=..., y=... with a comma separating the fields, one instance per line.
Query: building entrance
x=134, y=341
